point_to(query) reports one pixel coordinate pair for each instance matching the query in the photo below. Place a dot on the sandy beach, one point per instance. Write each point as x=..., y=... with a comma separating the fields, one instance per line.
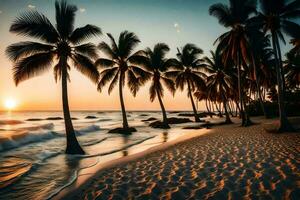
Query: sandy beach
x=230, y=162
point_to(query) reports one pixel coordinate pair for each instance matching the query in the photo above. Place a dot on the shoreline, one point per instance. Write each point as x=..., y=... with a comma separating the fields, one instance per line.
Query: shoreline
x=85, y=179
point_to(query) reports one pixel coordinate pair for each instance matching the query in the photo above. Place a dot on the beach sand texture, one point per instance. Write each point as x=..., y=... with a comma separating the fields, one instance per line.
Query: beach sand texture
x=231, y=162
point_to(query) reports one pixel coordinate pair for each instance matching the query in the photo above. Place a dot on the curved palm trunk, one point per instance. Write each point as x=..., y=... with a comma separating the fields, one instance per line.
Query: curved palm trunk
x=125, y=122
x=165, y=119
x=73, y=146
x=284, y=123
x=192, y=101
x=207, y=108
x=258, y=87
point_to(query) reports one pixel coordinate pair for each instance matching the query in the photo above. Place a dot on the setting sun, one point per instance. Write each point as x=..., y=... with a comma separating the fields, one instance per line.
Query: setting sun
x=10, y=104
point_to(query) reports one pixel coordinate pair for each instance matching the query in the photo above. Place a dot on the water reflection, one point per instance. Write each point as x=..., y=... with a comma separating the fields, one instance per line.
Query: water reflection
x=165, y=136
x=125, y=144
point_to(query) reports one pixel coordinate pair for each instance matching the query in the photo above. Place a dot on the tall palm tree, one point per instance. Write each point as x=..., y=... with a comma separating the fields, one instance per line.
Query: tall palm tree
x=119, y=65
x=276, y=17
x=292, y=69
x=234, y=42
x=218, y=81
x=60, y=45
x=155, y=63
x=185, y=71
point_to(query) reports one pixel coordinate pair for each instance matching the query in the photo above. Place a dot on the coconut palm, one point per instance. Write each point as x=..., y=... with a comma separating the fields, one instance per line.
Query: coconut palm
x=292, y=69
x=155, y=63
x=218, y=81
x=276, y=17
x=59, y=45
x=234, y=43
x=185, y=71
x=120, y=65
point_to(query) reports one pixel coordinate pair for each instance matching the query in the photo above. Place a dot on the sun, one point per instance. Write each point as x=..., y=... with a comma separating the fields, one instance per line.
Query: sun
x=10, y=104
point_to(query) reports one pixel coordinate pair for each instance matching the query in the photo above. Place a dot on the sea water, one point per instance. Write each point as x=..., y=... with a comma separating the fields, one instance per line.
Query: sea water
x=32, y=160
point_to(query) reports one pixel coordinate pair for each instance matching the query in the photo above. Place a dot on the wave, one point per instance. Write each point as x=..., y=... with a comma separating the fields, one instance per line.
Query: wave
x=10, y=122
x=39, y=134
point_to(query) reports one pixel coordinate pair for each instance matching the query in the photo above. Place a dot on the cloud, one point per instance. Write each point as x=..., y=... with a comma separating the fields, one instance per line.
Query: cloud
x=177, y=27
x=82, y=10
x=1, y=12
x=31, y=6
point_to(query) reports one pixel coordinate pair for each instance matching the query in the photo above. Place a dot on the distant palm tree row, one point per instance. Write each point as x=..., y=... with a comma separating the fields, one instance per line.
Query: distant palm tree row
x=241, y=68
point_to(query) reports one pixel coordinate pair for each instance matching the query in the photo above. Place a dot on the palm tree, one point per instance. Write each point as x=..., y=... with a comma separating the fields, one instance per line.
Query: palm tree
x=292, y=69
x=119, y=65
x=218, y=82
x=185, y=71
x=59, y=45
x=234, y=43
x=276, y=17
x=155, y=63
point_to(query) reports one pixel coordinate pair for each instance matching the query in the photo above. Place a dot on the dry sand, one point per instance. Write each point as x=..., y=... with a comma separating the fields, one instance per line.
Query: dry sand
x=230, y=162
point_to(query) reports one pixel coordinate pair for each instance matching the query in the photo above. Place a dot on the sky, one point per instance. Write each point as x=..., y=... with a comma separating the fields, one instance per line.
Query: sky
x=175, y=22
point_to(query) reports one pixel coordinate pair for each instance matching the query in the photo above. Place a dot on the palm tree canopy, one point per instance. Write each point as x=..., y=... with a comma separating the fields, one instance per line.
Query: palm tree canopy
x=121, y=61
x=237, y=13
x=278, y=16
x=154, y=62
x=62, y=41
x=186, y=70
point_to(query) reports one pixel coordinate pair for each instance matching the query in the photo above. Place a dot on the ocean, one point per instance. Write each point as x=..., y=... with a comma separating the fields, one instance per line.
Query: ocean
x=32, y=160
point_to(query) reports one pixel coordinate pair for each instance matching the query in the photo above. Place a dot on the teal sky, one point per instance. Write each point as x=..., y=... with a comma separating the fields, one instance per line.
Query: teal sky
x=175, y=22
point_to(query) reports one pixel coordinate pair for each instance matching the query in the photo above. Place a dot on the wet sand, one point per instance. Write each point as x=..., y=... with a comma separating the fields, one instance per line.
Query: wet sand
x=230, y=162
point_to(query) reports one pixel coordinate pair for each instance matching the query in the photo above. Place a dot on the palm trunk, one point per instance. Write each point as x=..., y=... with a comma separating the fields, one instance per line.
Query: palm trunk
x=165, y=119
x=207, y=108
x=125, y=122
x=258, y=87
x=192, y=101
x=73, y=146
x=284, y=123
x=242, y=114
x=227, y=120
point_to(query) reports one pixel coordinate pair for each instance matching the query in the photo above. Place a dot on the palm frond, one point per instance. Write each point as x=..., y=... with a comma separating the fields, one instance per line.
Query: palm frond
x=32, y=66
x=24, y=49
x=65, y=17
x=105, y=76
x=152, y=92
x=105, y=63
x=88, y=49
x=133, y=82
x=173, y=63
x=35, y=25
x=222, y=13
x=113, y=83
x=169, y=83
x=85, y=66
x=81, y=34
x=107, y=50
x=143, y=75
x=127, y=42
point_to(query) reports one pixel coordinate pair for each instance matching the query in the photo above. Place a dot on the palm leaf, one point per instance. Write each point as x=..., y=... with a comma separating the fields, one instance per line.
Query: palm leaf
x=35, y=25
x=86, y=67
x=32, y=66
x=105, y=76
x=65, y=16
x=107, y=50
x=88, y=49
x=24, y=49
x=84, y=33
